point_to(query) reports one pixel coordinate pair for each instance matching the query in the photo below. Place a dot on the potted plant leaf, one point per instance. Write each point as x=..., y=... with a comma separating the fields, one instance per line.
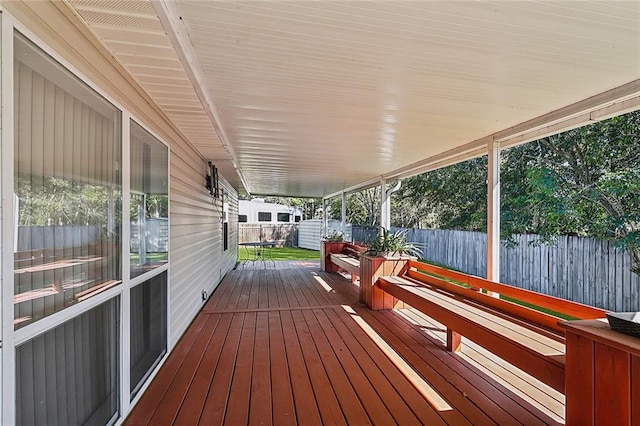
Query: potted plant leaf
x=332, y=243
x=388, y=254
x=388, y=244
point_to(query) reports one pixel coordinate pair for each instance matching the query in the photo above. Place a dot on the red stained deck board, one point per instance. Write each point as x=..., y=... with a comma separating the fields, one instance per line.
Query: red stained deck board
x=352, y=407
x=381, y=368
x=240, y=392
x=283, y=406
x=162, y=382
x=197, y=392
x=215, y=406
x=260, y=396
x=274, y=346
x=502, y=406
x=171, y=402
x=325, y=394
x=305, y=403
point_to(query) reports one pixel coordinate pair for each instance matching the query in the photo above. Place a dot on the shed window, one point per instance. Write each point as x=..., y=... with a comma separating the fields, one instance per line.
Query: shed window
x=283, y=217
x=264, y=216
x=242, y=218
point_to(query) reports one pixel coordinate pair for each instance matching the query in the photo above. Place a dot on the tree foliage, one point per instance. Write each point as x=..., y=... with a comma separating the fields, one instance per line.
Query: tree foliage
x=363, y=207
x=54, y=201
x=453, y=197
x=583, y=182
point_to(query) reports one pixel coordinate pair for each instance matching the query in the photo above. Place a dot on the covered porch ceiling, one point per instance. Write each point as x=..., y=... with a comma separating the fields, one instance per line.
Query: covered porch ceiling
x=308, y=98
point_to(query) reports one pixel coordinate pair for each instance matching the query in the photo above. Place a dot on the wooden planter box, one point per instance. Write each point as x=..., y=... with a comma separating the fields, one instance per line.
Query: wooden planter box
x=326, y=248
x=374, y=267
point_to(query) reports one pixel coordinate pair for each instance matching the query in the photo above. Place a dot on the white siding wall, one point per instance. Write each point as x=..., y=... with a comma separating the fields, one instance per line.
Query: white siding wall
x=230, y=257
x=195, y=220
x=196, y=259
x=310, y=232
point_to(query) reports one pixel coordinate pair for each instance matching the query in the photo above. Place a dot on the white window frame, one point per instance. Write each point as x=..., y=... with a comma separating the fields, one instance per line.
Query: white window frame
x=11, y=337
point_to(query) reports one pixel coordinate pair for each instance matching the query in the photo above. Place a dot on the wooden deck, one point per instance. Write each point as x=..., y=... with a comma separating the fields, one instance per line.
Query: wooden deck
x=288, y=344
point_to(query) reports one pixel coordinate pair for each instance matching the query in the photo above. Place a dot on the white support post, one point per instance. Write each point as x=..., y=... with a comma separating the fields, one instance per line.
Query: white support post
x=493, y=213
x=125, y=301
x=7, y=229
x=343, y=223
x=384, y=202
x=325, y=223
x=387, y=210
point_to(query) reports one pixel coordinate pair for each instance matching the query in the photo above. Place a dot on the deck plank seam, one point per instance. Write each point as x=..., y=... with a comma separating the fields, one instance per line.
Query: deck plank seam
x=295, y=308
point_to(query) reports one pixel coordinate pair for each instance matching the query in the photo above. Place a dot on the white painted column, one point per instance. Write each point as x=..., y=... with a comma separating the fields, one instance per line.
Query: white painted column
x=384, y=203
x=343, y=223
x=125, y=232
x=325, y=219
x=7, y=225
x=493, y=213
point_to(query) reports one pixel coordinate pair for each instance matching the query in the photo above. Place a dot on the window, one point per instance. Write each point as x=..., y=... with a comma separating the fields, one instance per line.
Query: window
x=225, y=236
x=296, y=219
x=69, y=375
x=67, y=190
x=148, y=328
x=149, y=208
x=264, y=216
x=67, y=195
x=283, y=217
x=242, y=218
x=225, y=222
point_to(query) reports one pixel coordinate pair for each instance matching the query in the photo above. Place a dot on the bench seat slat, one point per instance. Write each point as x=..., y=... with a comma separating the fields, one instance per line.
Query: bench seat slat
x=538, y=355
x=345, y=259
x=574, y=309
x=501, y=325
x=347, y=263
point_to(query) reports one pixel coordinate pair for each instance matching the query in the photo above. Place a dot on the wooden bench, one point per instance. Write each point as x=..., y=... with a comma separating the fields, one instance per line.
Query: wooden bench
x=527, y=338
x=345, y=256
x=348, y=263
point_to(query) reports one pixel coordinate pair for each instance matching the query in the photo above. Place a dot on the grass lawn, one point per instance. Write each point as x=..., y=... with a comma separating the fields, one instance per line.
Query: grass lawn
x=281, y=253
x=151, y=257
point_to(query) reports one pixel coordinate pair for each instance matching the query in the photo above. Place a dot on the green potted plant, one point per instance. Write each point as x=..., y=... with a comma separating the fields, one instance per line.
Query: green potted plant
x=332, y=243
x=388, y=254
x=389, y=244
x=334, y=236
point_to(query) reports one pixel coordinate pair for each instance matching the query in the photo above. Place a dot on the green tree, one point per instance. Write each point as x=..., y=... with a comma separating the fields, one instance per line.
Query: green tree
x=583, y=182
x=453, y=197
x=53, y=201
x=363, y=207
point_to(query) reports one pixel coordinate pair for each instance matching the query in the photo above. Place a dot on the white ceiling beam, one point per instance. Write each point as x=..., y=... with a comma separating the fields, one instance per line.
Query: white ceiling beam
x=171, y=20
x=614, y=102
x=610, y=103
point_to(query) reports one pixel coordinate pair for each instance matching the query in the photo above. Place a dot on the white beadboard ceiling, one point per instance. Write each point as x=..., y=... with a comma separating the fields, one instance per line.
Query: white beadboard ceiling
x=311, y=97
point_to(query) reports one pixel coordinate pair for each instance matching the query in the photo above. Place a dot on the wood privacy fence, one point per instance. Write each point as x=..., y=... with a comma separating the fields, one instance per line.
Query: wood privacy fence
x=52, y=237
x=286, y=234
x=585, y=270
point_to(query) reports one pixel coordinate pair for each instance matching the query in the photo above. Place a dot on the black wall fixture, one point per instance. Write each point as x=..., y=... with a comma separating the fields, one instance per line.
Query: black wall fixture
x=212, y=183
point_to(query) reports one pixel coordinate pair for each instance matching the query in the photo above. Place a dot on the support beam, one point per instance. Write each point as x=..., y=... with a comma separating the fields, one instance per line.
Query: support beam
x=169, y=15
x=343, y=223
x=325, y=220
x=613, y=102
x=493, y=213
x=384, y=202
